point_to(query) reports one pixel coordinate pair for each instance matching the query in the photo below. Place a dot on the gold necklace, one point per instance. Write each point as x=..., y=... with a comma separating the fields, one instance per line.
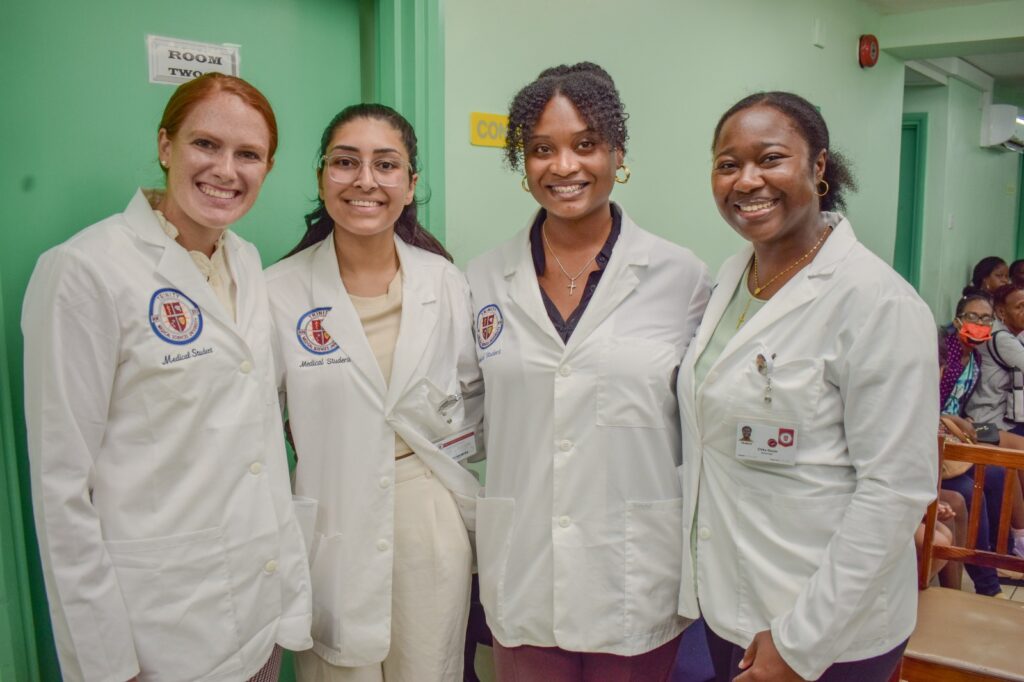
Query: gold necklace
x=571, y=286
x=757, y=286
x=743, y=315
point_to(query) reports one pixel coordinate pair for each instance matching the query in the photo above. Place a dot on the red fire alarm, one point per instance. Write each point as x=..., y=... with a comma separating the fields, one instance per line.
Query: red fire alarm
x=868, y=52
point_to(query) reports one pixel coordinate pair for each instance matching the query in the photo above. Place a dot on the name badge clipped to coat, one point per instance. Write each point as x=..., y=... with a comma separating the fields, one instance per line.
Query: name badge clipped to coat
x=459, y=446
x=767, y=441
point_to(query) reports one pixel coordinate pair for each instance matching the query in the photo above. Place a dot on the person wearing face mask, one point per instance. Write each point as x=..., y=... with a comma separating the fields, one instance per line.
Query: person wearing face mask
x=961, y=366
x=169, y=542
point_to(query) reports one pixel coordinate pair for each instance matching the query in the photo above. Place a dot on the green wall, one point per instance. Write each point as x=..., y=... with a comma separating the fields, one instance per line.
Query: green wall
x=970, y=202
x=78, y=134
x=678, y=66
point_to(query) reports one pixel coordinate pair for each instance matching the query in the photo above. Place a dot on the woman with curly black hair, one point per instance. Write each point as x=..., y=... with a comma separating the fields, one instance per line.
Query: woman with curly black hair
x=582, y=320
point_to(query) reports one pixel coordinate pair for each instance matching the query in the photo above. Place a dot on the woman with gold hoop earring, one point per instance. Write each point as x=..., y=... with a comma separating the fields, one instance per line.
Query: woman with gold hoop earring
x=801, y=545
x=581, y=322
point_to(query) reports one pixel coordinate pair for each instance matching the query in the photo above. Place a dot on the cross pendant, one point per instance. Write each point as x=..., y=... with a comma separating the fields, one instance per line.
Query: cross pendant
x=571, y=286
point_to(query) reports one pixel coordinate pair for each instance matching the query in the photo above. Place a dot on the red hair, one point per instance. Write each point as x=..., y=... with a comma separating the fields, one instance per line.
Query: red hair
x=189, y=94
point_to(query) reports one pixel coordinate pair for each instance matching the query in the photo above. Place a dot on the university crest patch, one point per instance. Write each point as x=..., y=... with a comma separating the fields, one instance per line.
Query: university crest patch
x=175, y=317
x=312, y=334
x=489, y=323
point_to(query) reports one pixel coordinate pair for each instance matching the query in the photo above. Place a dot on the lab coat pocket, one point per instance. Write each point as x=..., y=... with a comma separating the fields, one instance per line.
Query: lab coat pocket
x=654, y=554
x=781, y=543
x=634, y=383
x=305, y=515
x=177, y=591
x=439, y=412
x=494, y=516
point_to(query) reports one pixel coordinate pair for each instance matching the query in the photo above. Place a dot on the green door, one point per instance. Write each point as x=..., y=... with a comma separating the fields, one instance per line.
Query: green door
x=78, y=125
x=909, y=213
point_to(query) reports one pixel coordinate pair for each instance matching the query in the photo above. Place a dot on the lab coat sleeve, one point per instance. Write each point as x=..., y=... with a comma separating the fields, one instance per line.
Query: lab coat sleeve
x=471, y=380
x=890, y=392
x=72, y=340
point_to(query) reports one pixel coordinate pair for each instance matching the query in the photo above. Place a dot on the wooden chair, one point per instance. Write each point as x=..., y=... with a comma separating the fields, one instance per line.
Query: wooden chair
x=961, y=635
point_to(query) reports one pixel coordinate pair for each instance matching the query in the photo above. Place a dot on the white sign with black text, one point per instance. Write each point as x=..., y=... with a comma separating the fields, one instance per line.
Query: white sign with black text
x=176, y=61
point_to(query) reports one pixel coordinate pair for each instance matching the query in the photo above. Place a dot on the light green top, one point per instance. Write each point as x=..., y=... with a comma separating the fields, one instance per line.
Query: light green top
x=742, y=306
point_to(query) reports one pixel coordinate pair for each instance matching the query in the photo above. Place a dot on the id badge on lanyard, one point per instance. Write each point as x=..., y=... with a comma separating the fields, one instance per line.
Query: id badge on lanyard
x=767, y=436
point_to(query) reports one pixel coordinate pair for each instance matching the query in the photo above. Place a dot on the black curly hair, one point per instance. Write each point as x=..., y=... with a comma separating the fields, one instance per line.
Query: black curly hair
x=985, y=267
x=590, y=89
x=811, y=126
x=319, y=223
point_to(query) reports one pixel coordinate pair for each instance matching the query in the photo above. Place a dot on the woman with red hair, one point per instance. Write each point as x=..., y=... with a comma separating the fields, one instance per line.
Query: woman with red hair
x=168, y=538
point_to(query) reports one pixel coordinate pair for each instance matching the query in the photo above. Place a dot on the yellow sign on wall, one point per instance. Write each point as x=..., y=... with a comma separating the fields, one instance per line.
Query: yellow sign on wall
x=487, y=130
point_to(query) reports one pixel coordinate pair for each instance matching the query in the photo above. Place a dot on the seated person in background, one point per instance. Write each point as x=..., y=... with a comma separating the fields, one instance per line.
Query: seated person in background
x=1001, y=354
x=1017, y=271
x=990, y=273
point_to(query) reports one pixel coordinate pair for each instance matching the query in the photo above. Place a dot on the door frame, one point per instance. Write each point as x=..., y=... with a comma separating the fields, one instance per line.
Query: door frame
x=917, y=124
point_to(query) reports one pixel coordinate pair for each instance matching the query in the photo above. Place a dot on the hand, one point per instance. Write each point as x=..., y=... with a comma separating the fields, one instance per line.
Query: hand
x=945, y=512
x=762, y=661
x=962, y=428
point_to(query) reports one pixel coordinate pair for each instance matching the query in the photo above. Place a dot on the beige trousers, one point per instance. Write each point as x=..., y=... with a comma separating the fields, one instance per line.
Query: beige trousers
x=430, y=589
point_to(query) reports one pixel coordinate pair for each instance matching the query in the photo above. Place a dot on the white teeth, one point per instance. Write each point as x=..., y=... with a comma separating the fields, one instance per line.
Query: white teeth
x=756, y=206
x=566, y=189
x=216, y=193
x=360, y=202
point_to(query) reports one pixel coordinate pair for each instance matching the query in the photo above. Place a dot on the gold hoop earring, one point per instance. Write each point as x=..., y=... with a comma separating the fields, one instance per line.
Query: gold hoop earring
x=625, y=177
x=821, y=182
x=524, y=183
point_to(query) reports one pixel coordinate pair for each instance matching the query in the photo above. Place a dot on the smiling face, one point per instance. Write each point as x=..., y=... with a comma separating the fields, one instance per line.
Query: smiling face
x=216, y=164
x=762, y=179
x=363, y=207
x=569, y=168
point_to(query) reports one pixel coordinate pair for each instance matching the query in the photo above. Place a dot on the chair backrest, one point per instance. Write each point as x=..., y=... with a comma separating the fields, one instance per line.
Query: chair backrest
x=982, y=457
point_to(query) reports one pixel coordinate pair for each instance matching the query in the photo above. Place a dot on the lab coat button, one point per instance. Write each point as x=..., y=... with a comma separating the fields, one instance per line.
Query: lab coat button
x=383, y=545
x=384, y=482
x=255, y=468
x=270, y=566
x=565, y=522
x=565, y=445
x=564, y=370
x=245, y=367
x=704, y=533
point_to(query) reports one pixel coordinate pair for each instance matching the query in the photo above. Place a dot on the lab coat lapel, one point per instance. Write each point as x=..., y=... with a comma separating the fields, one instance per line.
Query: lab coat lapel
x=342, y=321
x=175, y=264
x=247, y=295
x=419, y=317
x=618, y=281
x=524, y=289
x=799, y=291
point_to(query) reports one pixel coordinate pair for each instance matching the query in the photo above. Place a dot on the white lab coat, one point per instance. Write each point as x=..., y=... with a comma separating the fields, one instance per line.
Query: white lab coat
x=821, y=552
x=343, y=419
x=578, y=535
x=166, y=528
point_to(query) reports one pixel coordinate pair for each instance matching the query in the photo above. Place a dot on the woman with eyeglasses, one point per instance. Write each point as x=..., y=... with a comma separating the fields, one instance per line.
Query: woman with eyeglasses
x=963, y=369
x=378, y=373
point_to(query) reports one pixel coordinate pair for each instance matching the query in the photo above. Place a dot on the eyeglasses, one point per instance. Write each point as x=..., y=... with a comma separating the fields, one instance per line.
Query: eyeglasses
x=975, y=318
x=387, y=171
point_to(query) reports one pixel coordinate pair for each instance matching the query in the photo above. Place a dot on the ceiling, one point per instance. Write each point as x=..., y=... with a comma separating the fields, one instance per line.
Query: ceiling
x=1007, y=67
x=901, y=6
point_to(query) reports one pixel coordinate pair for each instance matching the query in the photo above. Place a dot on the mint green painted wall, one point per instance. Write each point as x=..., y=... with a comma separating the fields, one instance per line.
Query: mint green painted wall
x=970, y=193
x=678, y=65
x=78, y=133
